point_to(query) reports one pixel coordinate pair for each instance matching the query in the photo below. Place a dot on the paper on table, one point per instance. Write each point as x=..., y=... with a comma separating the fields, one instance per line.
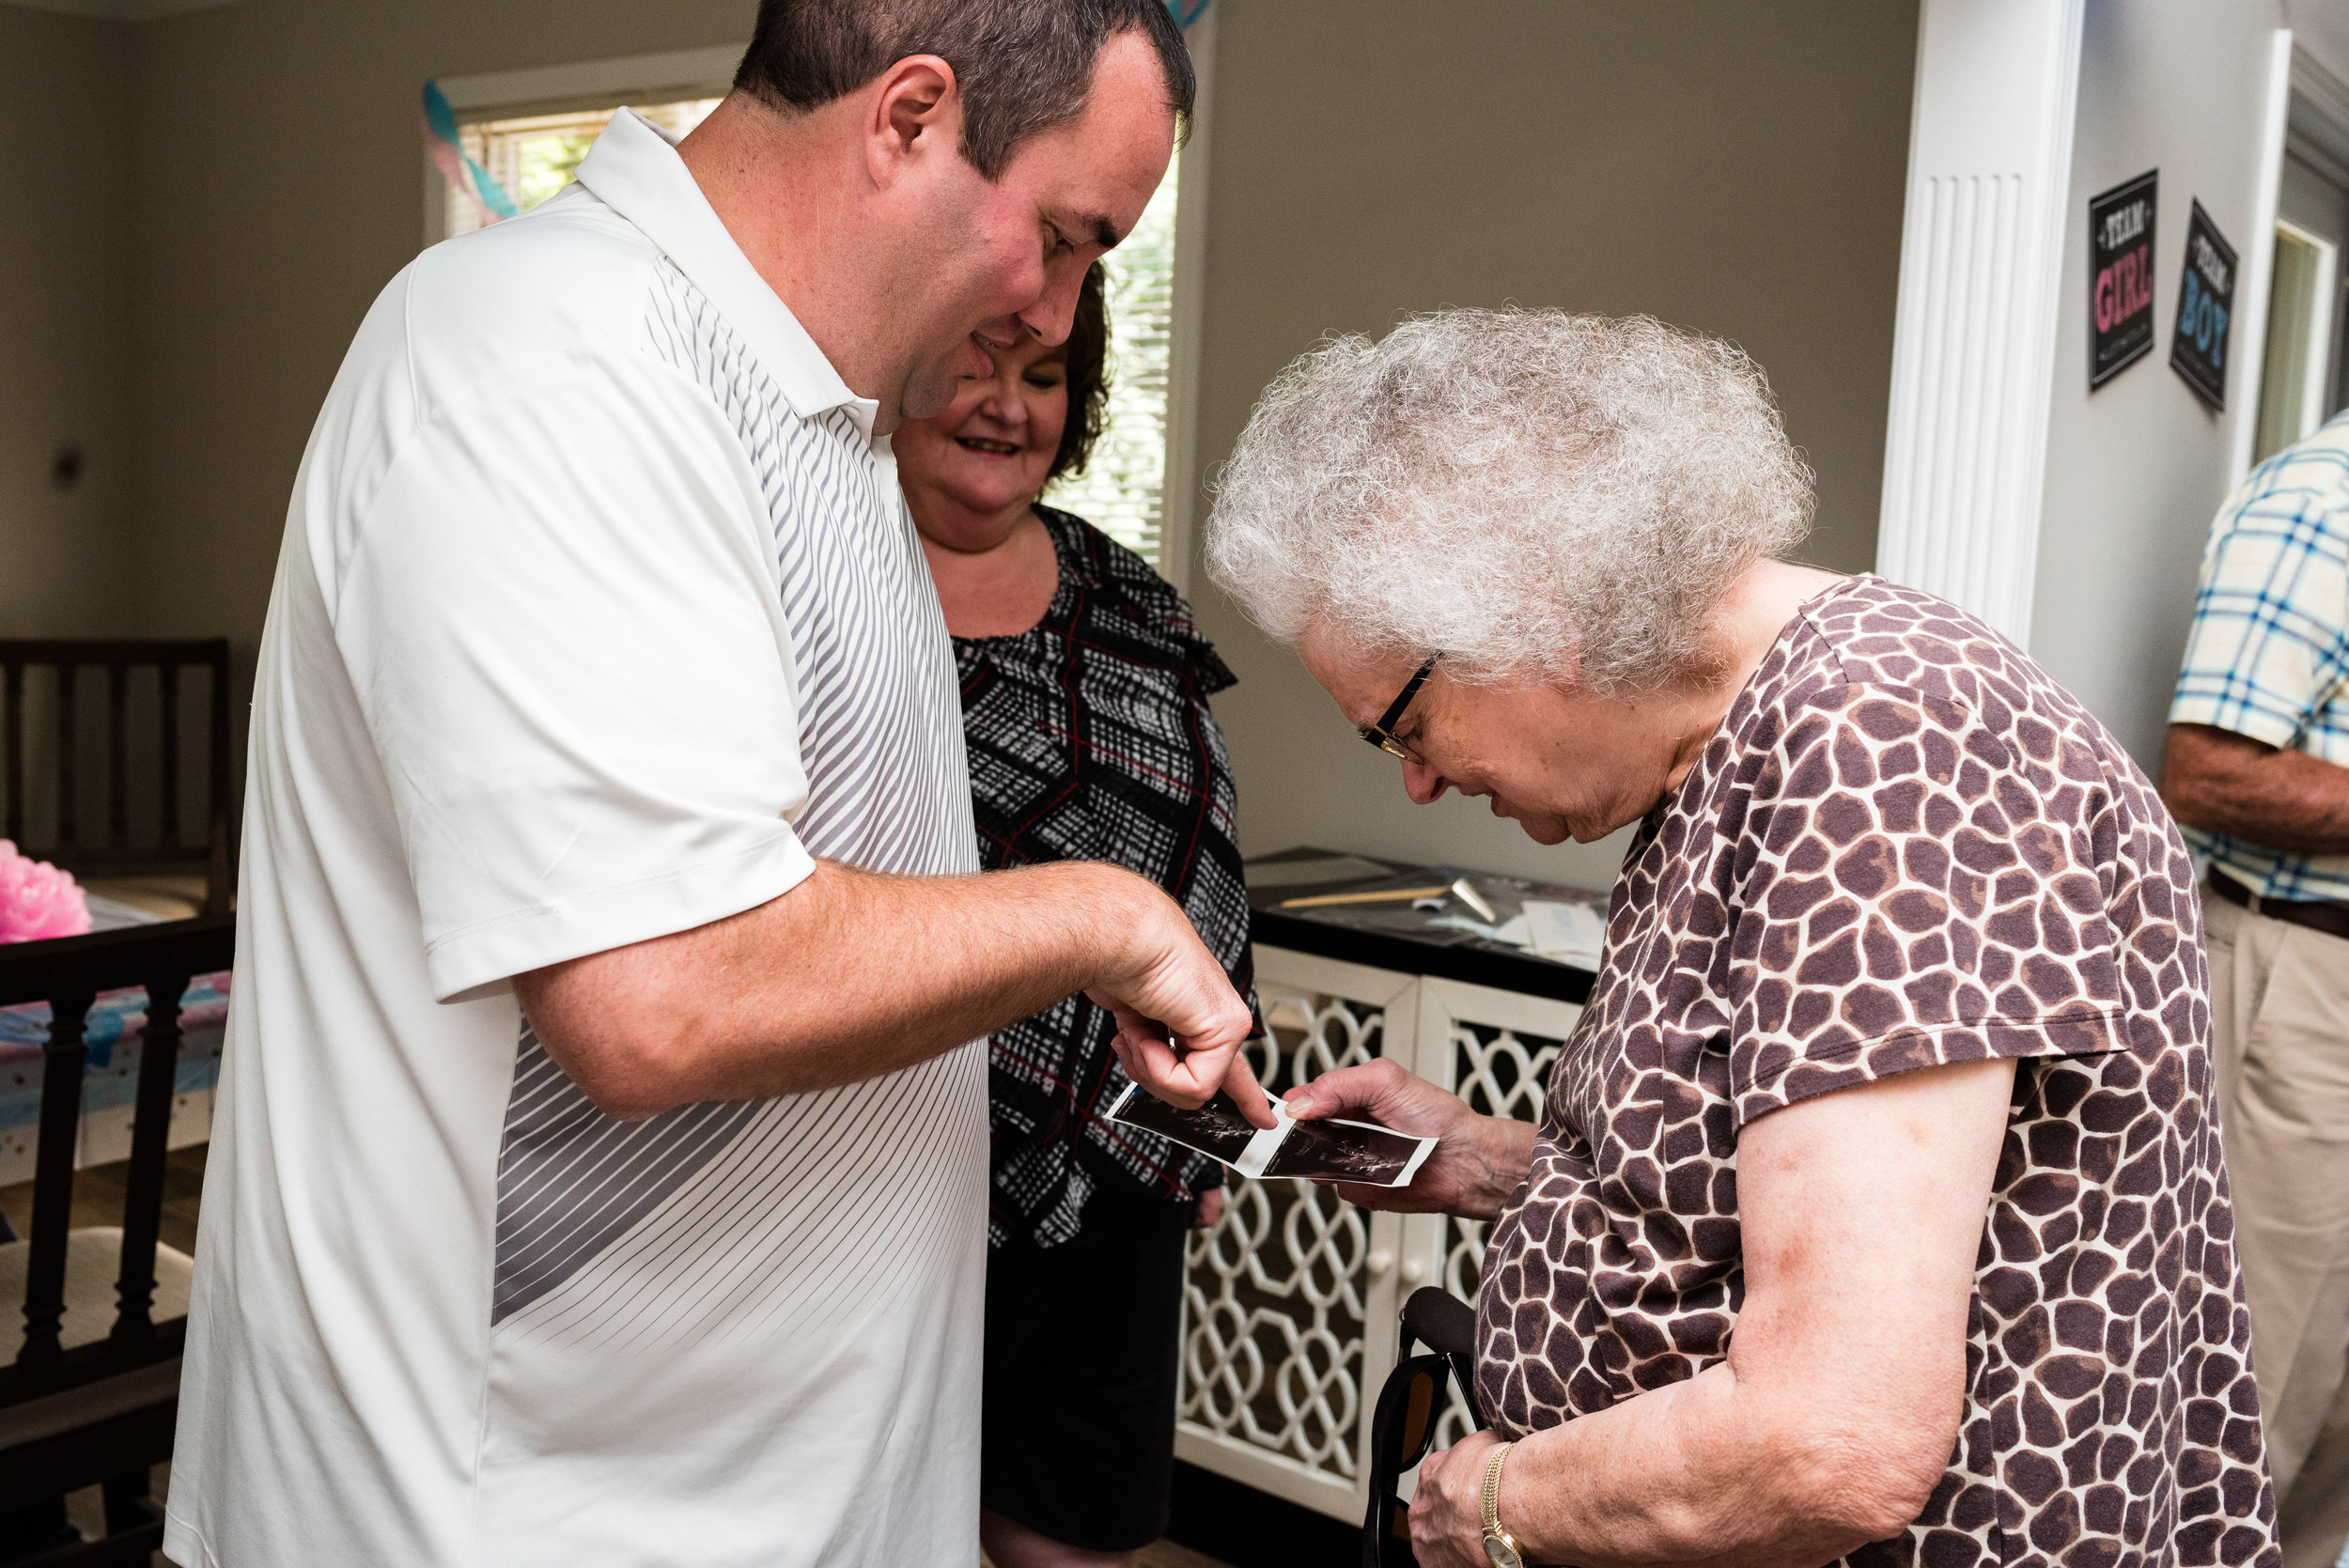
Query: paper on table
x=1565, y=930
x=1332, y=1150
x=1322, y=868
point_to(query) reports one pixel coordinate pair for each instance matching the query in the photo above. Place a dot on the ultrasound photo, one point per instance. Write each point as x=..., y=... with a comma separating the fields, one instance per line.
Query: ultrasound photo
x=1348, y=1152
x=1332, y=1151
x=1216, y=1129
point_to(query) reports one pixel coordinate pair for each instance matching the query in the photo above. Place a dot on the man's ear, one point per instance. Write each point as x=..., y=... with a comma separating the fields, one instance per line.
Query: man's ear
x=916, y=112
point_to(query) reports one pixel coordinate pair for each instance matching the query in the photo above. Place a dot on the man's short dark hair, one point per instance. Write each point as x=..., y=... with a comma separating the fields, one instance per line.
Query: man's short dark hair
x=1022, y=66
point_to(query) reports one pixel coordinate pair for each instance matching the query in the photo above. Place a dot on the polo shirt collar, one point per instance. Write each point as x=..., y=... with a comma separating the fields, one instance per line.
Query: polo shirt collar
x=636, y=169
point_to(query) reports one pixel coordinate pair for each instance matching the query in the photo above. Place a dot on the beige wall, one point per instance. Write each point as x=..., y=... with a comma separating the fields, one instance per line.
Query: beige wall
x=279, y=186
x=63, y=348
x=1734, y=167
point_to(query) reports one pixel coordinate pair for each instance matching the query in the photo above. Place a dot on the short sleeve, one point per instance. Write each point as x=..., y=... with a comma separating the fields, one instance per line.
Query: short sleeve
x=2269, y=645
x=562, y=625
x=1904, y=895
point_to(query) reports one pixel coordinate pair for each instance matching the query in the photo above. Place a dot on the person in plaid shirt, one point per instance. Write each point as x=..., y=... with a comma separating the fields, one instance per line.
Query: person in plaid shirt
x=2257, y=771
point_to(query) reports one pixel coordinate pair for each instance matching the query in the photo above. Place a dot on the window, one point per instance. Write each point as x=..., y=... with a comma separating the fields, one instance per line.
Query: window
x=2304, y=379
x=1122, y=490
x=533, y=156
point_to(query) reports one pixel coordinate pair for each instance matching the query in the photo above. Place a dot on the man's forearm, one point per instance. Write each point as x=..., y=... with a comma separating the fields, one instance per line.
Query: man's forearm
x=848, y=975
x=2222, y=782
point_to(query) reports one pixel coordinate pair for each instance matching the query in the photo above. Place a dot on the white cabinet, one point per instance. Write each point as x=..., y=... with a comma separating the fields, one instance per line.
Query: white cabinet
x=1289, y=1304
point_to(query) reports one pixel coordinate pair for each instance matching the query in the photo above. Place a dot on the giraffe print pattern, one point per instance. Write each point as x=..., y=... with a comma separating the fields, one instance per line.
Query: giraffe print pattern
x=1906, y=846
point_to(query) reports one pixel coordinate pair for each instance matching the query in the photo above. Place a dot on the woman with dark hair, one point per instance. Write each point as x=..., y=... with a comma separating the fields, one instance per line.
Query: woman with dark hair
x=1084, y=706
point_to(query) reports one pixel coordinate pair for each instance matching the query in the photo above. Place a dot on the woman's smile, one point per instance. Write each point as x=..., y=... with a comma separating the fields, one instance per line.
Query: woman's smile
x=989, y=448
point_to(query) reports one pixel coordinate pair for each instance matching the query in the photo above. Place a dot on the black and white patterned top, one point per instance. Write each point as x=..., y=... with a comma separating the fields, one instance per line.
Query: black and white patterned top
x=1090, y=739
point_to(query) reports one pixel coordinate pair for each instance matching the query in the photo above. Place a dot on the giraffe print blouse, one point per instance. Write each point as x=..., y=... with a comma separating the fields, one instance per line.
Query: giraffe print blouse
x=1906, y=846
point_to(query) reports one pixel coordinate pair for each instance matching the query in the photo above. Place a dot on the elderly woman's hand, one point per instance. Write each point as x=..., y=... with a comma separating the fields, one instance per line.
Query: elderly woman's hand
x=1478, y=1160
x=1447, y=1509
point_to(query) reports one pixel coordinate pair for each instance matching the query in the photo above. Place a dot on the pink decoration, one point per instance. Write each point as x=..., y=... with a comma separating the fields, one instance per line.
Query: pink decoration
x=37, y=900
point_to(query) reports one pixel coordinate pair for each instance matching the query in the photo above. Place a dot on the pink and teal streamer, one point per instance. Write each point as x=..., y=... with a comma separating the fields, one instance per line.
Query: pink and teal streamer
x=448, y=156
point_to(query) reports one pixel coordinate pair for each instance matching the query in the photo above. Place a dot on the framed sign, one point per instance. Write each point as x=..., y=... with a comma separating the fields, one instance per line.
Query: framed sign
x=2120, y=277
x=2198, y=349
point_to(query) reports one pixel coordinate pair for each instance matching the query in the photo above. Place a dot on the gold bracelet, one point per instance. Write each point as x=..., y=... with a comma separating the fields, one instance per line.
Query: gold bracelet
x=1501, y=1547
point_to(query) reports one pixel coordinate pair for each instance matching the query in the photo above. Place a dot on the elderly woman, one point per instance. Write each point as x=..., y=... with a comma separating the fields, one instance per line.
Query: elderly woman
x=1876, y=1211
x=1085, y=709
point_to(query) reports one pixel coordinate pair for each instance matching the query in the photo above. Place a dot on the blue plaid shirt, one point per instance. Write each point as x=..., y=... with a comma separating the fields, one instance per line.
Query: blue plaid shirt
x=2269, y=653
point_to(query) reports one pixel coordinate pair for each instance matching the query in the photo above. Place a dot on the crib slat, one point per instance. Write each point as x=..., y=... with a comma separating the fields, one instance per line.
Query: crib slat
x=118, y=754
x=150, y=1128
x=53, y=1178
x=69, y=771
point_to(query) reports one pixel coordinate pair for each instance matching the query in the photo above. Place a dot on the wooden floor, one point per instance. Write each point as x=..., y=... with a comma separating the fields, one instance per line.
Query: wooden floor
x=1159, y=1553
x=1166, y=1553
x=97, y=1196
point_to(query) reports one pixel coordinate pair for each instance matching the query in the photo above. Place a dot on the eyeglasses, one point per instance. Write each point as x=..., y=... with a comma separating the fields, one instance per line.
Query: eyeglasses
x=1381, y=734
x=1410, y=1407
x=1402, y=1431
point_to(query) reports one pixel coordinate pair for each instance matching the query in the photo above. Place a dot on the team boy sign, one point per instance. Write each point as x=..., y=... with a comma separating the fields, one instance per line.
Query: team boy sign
x=2198, y=349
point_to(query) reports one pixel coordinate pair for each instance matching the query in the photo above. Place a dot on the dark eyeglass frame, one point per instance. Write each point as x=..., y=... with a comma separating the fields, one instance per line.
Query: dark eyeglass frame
x=1381, y=734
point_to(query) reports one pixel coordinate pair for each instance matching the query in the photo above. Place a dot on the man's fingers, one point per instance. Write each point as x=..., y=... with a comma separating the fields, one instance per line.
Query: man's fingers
x=1173, y=1078
x=1239, y=1082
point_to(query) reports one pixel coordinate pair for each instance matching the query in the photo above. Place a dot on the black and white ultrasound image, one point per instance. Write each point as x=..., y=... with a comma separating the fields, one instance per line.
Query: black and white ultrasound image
x=1344, y=1151
x=1216, y=1129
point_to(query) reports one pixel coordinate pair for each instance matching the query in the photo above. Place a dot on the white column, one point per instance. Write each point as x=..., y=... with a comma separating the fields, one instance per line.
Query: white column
x=1989, y=164
x=2255, y=274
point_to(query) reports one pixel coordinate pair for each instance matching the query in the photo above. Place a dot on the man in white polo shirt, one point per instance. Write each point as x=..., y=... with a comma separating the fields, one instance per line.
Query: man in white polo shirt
x=599, y=1171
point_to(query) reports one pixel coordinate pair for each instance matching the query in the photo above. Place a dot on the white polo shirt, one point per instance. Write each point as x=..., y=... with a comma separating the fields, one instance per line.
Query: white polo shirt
x=598, y=614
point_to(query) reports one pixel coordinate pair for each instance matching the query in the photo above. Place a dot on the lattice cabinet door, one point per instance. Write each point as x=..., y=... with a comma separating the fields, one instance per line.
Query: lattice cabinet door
x=1495, y=1050
x=1289, y=1303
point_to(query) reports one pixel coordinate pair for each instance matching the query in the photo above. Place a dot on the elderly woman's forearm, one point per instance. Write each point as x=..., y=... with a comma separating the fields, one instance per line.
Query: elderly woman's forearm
x=1705, y=1473
x=1503, y=1154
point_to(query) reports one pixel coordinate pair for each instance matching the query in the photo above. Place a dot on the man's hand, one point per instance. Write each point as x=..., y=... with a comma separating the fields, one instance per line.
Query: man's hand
x=1478, y=1161
x=1448, y=1508
x=1179, y=1023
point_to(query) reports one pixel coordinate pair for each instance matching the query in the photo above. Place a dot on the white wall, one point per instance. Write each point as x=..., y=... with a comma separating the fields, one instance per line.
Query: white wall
x=2135, y=470
x=64, y=340
x=1736, y=168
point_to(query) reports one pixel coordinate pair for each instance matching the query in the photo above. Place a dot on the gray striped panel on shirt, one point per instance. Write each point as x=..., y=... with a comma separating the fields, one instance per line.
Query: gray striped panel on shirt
x=881, y=741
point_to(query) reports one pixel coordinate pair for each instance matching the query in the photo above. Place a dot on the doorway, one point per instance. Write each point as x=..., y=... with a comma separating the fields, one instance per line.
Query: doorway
x=2301, y=380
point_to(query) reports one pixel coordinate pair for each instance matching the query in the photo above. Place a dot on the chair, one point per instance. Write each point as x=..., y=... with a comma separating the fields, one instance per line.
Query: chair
x=159, y=873
x=89, y=1390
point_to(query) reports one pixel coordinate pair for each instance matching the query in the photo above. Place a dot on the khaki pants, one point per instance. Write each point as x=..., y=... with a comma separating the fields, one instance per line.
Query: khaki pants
x=2280, y=1014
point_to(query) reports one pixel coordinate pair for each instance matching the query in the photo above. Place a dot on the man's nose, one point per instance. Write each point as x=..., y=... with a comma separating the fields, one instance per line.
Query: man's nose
x=1055, y=311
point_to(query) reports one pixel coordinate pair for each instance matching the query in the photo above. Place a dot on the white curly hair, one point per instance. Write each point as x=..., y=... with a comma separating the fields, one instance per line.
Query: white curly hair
x=1533, y=493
